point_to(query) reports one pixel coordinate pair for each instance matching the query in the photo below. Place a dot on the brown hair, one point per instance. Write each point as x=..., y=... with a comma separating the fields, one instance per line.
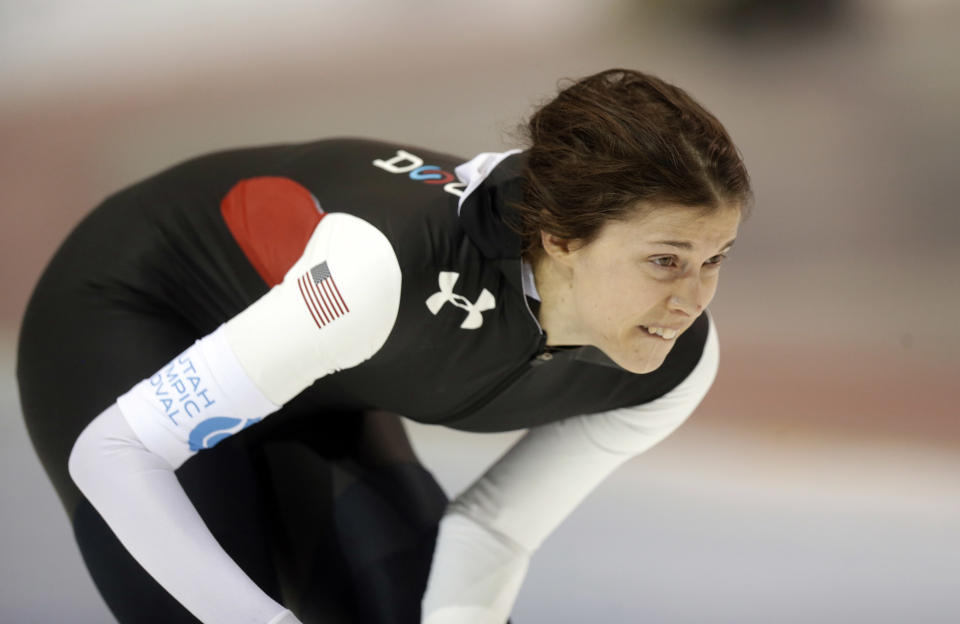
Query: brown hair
x=617, y=138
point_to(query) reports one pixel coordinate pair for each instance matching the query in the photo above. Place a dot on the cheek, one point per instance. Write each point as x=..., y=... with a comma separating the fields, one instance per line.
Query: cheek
x=601, y=300
x=620, y=293
x=710, y=288
x=628, y=302
x=594, y=304
x=592, y=284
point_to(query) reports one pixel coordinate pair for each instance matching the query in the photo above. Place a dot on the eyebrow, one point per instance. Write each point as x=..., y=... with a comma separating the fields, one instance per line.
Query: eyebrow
x=688, y=245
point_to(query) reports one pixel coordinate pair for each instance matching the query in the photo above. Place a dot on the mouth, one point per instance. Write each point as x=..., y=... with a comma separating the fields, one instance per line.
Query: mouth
x=663, y=333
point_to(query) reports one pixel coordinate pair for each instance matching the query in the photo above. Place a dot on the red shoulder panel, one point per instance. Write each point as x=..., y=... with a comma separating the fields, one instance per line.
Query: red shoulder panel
x=271, y=219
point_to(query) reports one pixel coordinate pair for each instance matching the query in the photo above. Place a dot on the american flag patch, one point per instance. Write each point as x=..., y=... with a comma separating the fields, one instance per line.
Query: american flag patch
x=321, y=295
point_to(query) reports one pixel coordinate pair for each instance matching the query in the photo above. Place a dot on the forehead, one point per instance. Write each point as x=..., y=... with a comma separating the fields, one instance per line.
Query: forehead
x=699, y=226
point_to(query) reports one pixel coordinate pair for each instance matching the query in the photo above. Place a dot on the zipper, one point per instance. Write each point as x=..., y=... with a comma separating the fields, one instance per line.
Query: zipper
x=502, y=384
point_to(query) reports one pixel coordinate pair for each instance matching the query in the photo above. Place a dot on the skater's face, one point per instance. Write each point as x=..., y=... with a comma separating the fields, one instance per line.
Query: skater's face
x=641, y=282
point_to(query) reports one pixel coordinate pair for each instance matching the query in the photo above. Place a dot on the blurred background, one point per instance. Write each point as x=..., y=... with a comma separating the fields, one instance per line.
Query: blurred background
x=819, y=481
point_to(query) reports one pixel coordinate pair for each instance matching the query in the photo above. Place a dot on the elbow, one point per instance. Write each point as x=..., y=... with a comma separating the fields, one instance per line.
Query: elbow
x=104, y=451
x=84, y=456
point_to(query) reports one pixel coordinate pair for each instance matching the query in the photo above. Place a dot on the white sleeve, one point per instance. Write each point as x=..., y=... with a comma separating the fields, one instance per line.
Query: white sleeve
x=334, y=309
x=138, y=495
x=491, y=530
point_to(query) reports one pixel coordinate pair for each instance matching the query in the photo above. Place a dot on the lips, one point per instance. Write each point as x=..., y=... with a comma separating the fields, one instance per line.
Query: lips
x=666, y=333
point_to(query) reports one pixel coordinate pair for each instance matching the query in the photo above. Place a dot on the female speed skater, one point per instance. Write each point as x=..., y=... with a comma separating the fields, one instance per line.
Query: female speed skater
x=214, y=365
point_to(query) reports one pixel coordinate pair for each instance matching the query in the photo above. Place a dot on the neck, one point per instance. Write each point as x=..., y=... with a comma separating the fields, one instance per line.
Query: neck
x=556, y=301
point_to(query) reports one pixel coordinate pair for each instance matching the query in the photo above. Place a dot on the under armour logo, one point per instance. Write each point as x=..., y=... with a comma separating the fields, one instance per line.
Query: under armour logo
x=485, y=301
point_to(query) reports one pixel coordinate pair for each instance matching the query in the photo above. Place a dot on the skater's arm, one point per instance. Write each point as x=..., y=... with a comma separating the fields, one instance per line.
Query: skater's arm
x=137, y=493
x=492, y=529
x=124, y=461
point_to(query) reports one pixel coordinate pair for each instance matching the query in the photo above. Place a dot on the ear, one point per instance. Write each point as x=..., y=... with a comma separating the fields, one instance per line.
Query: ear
x=557, y=247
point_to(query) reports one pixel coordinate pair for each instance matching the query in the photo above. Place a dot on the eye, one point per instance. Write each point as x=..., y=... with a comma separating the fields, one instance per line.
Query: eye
x=664, y=262
x=716, y=260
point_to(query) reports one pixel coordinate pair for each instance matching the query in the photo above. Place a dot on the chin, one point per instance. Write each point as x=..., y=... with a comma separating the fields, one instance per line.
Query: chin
x=647, y=367
x=640, y=366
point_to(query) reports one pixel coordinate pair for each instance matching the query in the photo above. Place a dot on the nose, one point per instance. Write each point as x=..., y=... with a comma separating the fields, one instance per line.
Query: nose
x=687, y=296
